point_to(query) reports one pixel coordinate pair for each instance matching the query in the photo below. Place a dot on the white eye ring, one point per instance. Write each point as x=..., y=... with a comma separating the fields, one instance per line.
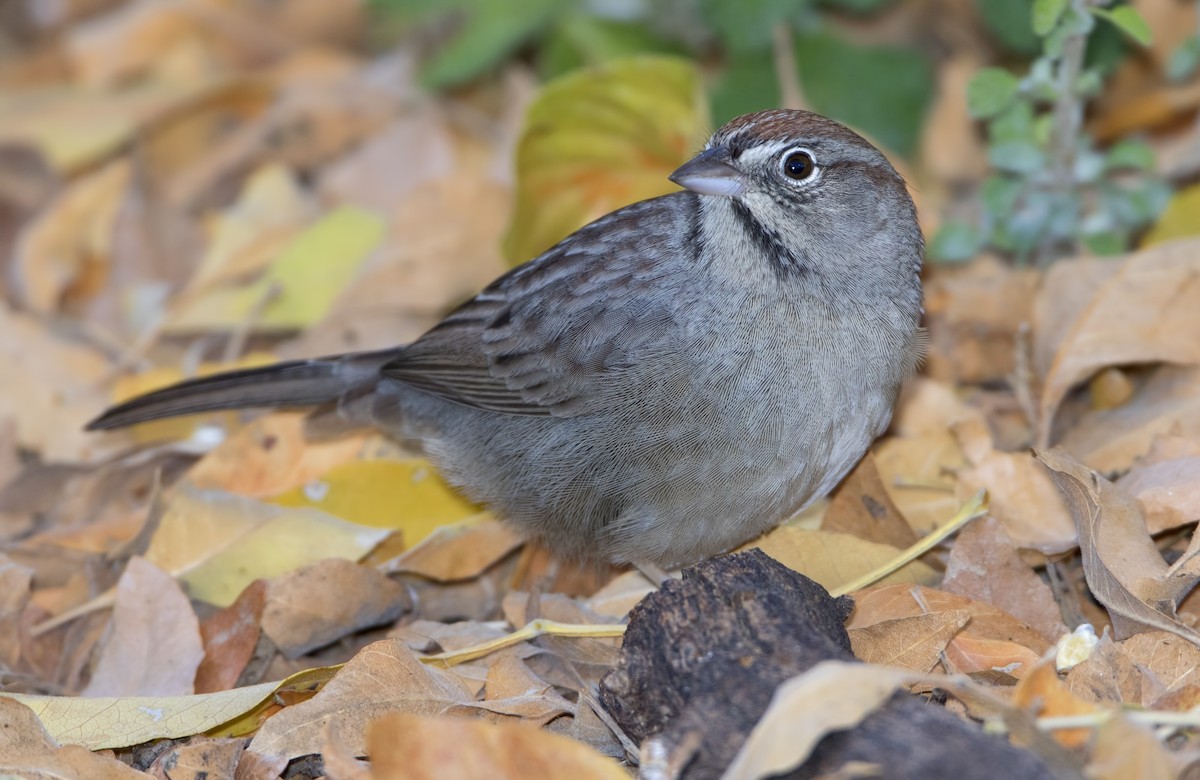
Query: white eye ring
x=799, y=166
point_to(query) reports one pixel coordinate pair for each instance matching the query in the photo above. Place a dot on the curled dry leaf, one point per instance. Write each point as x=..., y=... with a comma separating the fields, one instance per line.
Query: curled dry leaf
x=862, y=507
x=230, y=637
x=1043, y=692
x=408, y=746
x=1148, y=310
x=154, y=646
x=1110, y=440
x=1124, y=569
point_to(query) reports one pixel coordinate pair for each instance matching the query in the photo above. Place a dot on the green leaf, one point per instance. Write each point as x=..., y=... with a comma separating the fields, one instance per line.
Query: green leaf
x=1046, y=14
x=1014, y=124
x=999, y=194
x=747, y=84
x=882, y=91
x=1184, y=60
x=1130, y=154
x=747, y=24
x=1016, y=157
x=1127, y=19
x=491, y=32
x=578, y=40
x=1009, y=23
x=991, y=91
x=856, y=6
x=955, y=242
x=1106, y=244
x=601, y=138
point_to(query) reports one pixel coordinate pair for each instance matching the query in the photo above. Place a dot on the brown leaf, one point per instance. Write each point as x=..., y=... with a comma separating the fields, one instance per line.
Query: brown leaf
x=1122, y=749
x=1020, y=493
x=513, y=690
x=1169, y=491
x=230, y=637
x=199, y=758
x=27, y=751
x=384, y=677
x=1107, y=675
x=1123, y=568
x=914, y=643
x=457, y=552
x=918, y=474
x=1174, y=662
x=154, y=648
x=969, y=654
x=1112, y=439
x=1148, y=311
x=15, y=581
x=408, y=746
x=984, y=565
x=862, y=507
x=319, y=603
x=836, y=559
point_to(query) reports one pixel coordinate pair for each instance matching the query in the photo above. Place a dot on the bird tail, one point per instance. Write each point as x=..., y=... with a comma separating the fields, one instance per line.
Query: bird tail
x=294, y=383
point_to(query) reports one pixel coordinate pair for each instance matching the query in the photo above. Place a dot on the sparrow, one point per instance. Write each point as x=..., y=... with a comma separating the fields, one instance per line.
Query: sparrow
x=669, y=381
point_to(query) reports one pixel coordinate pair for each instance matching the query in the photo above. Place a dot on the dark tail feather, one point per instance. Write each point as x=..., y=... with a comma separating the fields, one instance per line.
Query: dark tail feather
x=295, y=383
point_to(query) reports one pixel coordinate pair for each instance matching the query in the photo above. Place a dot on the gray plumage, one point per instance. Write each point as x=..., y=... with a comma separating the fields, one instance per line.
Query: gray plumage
x=669, y=381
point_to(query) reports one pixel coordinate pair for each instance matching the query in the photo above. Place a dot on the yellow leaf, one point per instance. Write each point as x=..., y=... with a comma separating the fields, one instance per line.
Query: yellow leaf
x=120, y=721
x=217, y=543
x=300, y=285
x=407, y=495
x=834, y=559
x=601, y=138
x=1180, y=220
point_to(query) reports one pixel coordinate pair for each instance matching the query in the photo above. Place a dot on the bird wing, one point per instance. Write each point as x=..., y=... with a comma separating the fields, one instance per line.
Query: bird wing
x=562, y=335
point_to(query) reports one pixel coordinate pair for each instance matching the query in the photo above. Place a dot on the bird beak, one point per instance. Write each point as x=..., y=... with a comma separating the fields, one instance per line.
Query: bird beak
x=710, y=173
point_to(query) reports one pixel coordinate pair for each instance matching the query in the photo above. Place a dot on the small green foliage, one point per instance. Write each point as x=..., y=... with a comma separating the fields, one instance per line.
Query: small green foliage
x=990, y=92
x=1052, y=191
x=1009, y=22
x=1184, y=60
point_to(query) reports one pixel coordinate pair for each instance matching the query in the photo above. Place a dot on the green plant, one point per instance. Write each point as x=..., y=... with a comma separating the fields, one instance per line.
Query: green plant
x=1053, y=192
x=757, y=53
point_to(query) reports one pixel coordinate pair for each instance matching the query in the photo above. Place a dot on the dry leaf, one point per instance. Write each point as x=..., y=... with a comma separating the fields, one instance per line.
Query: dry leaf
x=918, y=474
x=154, y=647
x=27, y=751
x=1110, y=440
x=324, y=601
x=384, y=677
x=862, y=507
x=831, y=696
x=1107, y=675
x=408, y=746
x=834, y=559
x=200, y=758
x=1043, y=692
x=984, y=566
x=1121, y=750
x=1147, y=311
x=1020, y=494
x=1169, y=491
x=1124, y=569
x=1174, y=662
x=914, y=643
x=458, y=552
x=230, y=637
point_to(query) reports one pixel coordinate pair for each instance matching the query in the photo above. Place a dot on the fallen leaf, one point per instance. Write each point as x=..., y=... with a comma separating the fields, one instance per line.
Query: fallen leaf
x=409, y=496
x=831, y=696
x=1147, y=311
x=384, y=677
x=1178, y=220
x=230, y=637
x=1043, y=692
x=984, y=566
x=968, y=654
x=154, y=646
x=862, y=507
x=297, y=289
x=1122, y=749
x=415, y=747
x=914, y=643
x=1110, y=440
x=457, y=552
x=1124, y=569
x=27, y=751
x=918, y=474
x=1107, y=675
x=199, y=758
x=1169, y=492
x=324, y=601
x=834, y=559
x=1021, y=496
x=1173, y=661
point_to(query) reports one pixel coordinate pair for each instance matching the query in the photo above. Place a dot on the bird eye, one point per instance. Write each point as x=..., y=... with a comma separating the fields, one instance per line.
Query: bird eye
x=798, y=165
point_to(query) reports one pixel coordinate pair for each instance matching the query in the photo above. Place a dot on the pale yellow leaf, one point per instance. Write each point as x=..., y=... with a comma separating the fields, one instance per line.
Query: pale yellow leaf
x=834, y=559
